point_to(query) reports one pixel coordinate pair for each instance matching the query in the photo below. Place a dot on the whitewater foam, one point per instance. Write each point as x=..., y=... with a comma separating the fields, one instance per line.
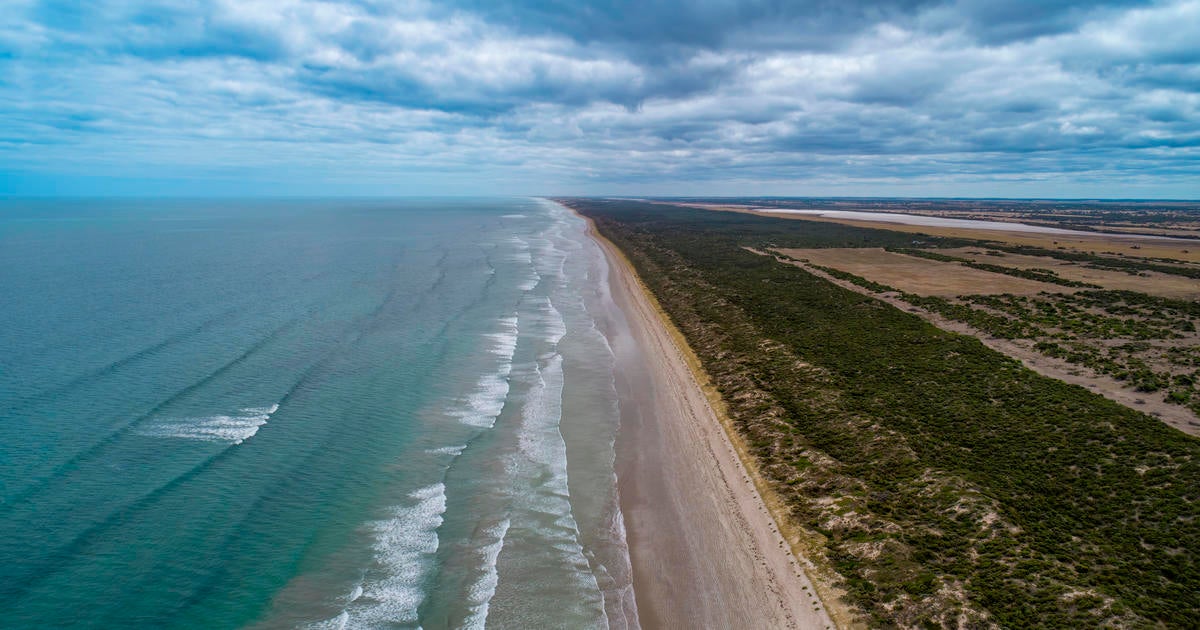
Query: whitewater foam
x=235, y=428
x=405, y=548
x=485, y=402
x=542, y=445
x=504, y=343
x=453, y=451
x=550, y=321
x=334, y=623
x=536, y=502
x=551, y=259
x=480, y=593
x=521, y=253
x=531, y=282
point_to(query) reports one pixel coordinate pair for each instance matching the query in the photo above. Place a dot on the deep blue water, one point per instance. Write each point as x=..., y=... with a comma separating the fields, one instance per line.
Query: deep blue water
x=224, y=414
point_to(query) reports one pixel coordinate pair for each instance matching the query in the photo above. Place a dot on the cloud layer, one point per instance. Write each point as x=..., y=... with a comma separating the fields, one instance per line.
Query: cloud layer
x=967, y=97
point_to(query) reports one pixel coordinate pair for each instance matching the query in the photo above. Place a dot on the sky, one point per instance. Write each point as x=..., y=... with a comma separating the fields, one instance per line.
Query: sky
x=915, y=98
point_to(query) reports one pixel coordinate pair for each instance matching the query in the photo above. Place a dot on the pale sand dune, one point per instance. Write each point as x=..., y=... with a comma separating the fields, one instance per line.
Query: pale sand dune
x=705, y=550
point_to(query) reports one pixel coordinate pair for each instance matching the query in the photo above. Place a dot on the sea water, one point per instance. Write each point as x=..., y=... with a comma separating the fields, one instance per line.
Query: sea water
x=306, y=414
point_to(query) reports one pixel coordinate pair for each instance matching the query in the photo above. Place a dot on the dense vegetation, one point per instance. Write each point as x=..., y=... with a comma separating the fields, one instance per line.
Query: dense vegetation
x=952, y=486
x=1147, y=341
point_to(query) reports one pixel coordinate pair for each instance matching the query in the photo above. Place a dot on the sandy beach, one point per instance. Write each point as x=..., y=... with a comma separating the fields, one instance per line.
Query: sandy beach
x=705, y=550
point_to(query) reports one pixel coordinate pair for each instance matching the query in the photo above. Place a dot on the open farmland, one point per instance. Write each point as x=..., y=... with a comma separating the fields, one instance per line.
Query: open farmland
x=1151, y=282
x=917, y=275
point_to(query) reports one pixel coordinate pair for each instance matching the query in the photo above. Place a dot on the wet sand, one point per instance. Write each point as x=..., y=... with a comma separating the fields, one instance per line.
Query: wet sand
x=705, y=550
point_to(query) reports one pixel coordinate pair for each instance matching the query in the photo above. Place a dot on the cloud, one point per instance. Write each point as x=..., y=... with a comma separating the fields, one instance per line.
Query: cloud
x=613, y=96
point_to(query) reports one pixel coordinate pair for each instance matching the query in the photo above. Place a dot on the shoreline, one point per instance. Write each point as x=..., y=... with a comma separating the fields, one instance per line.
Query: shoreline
x=706, y=548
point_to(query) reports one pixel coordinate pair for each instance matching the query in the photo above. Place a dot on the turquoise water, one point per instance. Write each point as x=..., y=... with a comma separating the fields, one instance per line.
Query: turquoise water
x=306, y=414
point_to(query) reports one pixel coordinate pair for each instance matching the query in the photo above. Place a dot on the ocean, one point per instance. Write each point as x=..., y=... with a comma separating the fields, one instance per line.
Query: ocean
x=306, y=414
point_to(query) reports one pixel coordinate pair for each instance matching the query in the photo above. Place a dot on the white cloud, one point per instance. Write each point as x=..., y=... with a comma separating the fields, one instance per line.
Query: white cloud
x=356, y=91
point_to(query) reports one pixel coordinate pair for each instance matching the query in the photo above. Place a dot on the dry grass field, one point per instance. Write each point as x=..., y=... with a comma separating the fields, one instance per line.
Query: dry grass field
x=920, y=275
x=1150, y=282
